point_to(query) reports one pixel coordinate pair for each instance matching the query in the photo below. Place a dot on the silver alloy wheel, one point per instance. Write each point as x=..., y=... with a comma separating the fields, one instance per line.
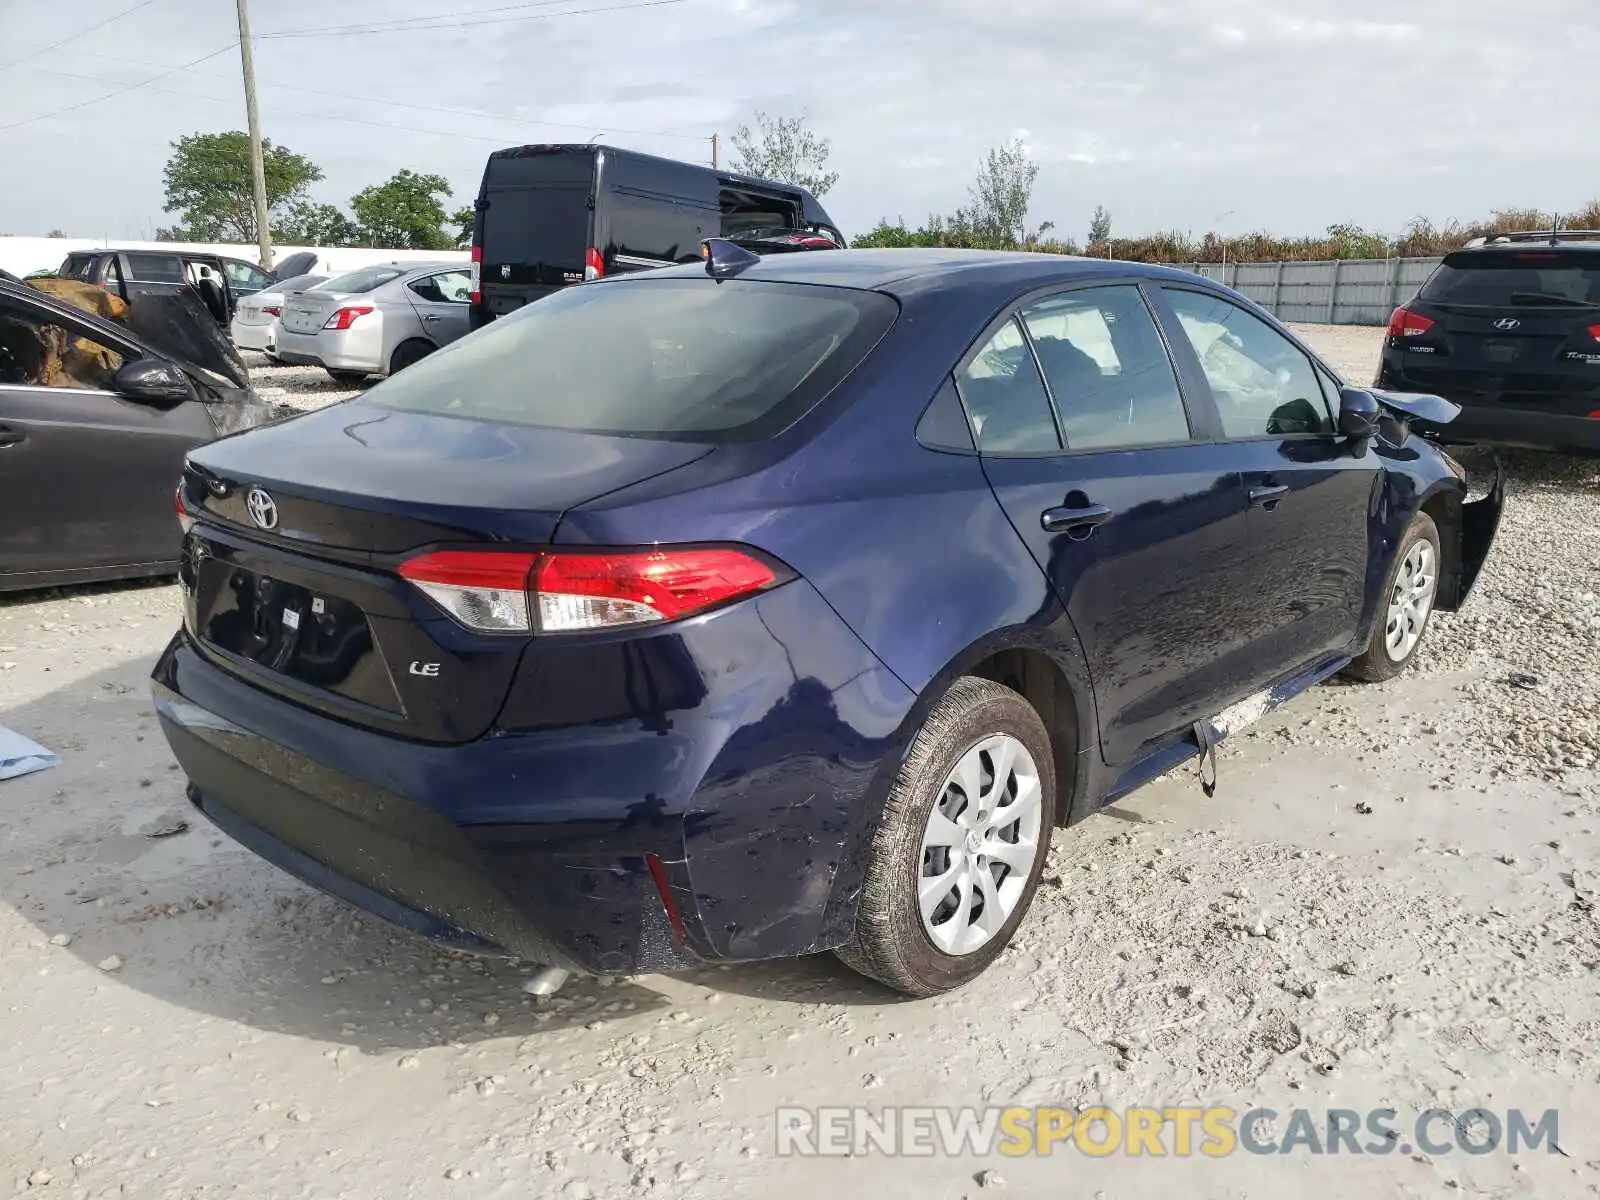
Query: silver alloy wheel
x=980, y=845
x=1411, y=600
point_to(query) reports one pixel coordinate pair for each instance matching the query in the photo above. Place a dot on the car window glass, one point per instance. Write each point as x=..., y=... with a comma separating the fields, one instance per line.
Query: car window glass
x=40, y=354
x=364, y=280
x=1005, y=398
x=155, y=268
x=1107, y=369
x=245, y=276
x=451, y=287
x=1330, y=395
x=1264, y=386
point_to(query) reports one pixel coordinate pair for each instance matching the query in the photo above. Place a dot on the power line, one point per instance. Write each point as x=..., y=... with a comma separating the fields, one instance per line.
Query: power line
x=454, y=24
x=378, y=26
x=132, y=87
x=368, y=99
x=81, y=33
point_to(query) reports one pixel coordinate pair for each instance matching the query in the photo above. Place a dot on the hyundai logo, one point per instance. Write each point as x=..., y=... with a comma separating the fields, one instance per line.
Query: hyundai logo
x=1508, y=323
x=263, y=509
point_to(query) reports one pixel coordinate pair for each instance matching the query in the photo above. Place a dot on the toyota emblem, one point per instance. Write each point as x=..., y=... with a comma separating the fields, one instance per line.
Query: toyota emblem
x=263, y=509
x=1508, y=323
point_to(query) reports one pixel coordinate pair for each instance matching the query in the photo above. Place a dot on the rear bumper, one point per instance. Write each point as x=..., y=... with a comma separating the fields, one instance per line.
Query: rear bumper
x=338, y=351
x=1506, y=426
x=753, y=804
x=253, y=337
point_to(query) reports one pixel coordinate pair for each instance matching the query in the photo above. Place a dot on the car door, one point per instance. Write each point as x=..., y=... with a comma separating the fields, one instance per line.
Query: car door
x=86, y=477
x=1312, y=494
x=1139, y=524
x=441, y=302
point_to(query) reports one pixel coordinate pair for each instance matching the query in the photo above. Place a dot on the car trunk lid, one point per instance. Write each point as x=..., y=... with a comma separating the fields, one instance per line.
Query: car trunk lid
x=308, y=312
x=292, y=581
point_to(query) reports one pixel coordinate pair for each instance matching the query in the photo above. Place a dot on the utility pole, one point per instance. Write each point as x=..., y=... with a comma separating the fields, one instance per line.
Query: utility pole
x=715, y=165
x=258, y=170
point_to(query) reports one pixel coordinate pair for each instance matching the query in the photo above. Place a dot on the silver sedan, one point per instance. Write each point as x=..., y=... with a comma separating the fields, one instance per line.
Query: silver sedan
x=377, y=320
x=255, y=322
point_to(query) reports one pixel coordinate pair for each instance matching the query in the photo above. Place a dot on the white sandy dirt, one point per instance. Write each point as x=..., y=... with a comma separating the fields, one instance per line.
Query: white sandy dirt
x=1390, y=903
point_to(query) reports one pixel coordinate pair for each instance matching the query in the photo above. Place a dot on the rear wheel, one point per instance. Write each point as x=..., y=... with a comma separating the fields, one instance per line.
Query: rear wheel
x=1408, y=597
x=408, y=353
x=348, y=378
x=958, y=853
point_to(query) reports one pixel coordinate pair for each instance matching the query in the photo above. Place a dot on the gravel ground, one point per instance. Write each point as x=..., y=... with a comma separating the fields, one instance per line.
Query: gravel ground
x=1388, y=903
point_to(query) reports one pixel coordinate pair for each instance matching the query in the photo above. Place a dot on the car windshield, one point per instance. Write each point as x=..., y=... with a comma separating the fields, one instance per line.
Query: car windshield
x=364, y=280
x=683, y=359
x=1533, y=278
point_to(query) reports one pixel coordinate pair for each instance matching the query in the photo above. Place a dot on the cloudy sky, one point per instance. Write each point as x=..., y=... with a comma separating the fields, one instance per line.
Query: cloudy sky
x=1286, y=115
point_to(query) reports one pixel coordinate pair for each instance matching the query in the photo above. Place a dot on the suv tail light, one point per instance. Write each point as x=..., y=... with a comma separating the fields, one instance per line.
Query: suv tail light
x=561, y=591
x=346, y=317
x=594, y=266
x=1594, y=332
x=477, y=274
x=1405, y=323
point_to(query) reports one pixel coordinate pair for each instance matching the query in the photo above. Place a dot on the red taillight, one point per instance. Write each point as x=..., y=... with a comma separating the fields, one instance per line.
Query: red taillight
x=1594, y=332
x=477, y=274
x=563, y=591
x=594, y=266
x=185, y=521
x=272, y=310
x=346, y=317
x=1405, y=323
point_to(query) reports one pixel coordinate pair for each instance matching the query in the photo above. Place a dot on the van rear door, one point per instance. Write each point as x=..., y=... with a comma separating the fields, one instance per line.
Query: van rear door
x=536, y=211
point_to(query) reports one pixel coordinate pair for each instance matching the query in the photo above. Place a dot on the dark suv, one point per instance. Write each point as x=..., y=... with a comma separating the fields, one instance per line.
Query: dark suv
x=1508, y=328
x=220, y=280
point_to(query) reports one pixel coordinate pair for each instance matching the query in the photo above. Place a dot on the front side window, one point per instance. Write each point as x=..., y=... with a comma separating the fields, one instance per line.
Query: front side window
x=35, y=352
x=1005, y=398
x=243, y=275
x=1263, y=384
x=1102, y=356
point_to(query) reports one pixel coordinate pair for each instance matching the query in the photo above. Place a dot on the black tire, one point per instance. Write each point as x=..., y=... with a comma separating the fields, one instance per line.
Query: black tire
x=1377, y=663
x=890, y=943
x=348, y=378
x=408, y=353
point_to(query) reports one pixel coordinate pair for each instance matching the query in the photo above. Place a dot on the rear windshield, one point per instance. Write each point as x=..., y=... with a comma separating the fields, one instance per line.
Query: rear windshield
x=364, y=280
x=299, y=283
x=538, y=209
x=681, y=359
x=1531, y=278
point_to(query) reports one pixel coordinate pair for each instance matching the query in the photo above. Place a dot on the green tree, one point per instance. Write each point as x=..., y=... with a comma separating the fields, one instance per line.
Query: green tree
x=1001, y=196
x=406, y=213
x=784, y=150
x=463, y=219
x=307, y=223
x=1099, y=227
x=208, y=184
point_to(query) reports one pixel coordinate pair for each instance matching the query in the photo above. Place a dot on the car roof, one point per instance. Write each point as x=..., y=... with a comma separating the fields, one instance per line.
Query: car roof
x=903, y=271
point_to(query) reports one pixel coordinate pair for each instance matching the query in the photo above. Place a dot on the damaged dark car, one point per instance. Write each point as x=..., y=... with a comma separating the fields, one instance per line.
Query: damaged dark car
x=100, y=401
x=787, y=603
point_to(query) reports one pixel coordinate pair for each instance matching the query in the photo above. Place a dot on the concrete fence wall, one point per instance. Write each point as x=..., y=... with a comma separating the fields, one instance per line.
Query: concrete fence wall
x=1357, y=291
x=22, y=255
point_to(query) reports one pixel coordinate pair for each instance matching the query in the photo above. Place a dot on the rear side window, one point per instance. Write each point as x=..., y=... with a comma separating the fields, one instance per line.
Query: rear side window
x=1005, y=398
x=683, y=359
x=1107, y=368
x=364, y=280
x=155, y=268
x=1525, y=278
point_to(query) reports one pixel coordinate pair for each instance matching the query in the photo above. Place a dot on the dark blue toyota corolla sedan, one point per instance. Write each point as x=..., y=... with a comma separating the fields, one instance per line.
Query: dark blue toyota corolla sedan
x=775, y=606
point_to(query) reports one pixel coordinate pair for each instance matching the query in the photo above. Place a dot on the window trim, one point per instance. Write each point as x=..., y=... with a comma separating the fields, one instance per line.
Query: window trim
x=1318, y=367
x=1198, y=429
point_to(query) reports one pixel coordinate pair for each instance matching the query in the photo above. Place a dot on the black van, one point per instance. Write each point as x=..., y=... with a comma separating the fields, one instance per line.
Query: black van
x=549, y=216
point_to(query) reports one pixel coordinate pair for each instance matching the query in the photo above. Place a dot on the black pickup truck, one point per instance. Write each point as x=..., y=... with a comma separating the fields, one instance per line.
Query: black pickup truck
x=130, y=274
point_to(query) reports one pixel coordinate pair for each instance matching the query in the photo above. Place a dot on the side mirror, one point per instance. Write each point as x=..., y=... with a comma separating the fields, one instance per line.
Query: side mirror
x=154, y=382
x=1358, y=413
